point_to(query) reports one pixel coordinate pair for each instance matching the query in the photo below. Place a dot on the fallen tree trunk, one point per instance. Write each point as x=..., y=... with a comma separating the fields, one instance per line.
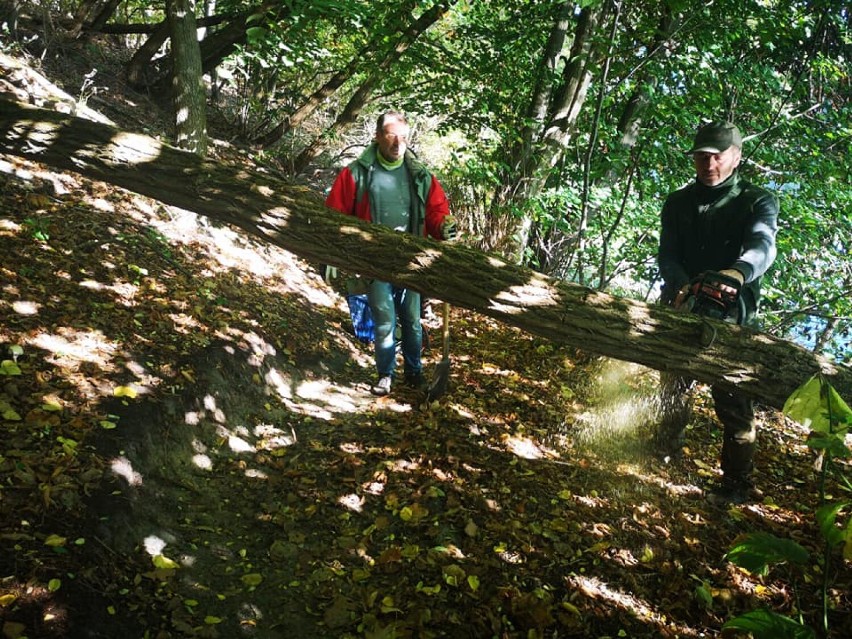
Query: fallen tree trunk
x=294, y=218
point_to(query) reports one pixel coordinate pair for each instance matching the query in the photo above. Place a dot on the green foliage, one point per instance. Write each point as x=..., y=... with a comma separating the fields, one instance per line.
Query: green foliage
x=37, y=228
x=778, y=68
x=756, y=552
x=765, y=624
x=815, y=405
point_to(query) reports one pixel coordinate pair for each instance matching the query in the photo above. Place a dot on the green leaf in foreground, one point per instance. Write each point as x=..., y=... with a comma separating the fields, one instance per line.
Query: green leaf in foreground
x=816, y=405
x=757, y=551
x=764, y=624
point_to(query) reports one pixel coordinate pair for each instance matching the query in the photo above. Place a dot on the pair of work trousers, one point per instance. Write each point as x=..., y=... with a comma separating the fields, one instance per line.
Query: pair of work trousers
x=734, y=410
x=390, y=304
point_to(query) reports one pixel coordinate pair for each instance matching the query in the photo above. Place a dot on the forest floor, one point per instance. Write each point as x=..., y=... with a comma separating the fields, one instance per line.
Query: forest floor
x=190, y=449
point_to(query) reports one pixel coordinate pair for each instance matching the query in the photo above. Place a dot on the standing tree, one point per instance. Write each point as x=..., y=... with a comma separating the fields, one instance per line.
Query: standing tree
x=190, y=96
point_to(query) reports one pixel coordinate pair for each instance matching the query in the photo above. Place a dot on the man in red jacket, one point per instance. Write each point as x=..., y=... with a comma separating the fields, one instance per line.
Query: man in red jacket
x=388, y=185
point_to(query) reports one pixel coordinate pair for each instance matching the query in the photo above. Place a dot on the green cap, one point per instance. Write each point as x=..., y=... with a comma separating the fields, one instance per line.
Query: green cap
x=716, y=137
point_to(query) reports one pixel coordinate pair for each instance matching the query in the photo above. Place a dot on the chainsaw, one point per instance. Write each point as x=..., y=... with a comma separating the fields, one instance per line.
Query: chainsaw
x=717, y=296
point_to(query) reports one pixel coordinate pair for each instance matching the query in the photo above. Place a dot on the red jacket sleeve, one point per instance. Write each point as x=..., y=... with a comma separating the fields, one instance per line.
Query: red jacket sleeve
x=342, y=195
x=437, y=208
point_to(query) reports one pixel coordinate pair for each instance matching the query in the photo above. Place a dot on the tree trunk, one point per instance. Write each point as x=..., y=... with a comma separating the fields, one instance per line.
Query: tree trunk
x=139, y=69
x=564, y=102
x=9, y=10
x=214, y=48
x=630, y=121
x=359, y=98
x=295, y=218
x=188, y=90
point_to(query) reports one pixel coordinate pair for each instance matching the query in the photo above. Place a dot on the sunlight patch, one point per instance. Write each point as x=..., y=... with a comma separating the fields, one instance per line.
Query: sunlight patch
x=132, y=148
x=202, y=461
x=352, y=502
x=122, y=467
x=524, y=447
x=26, y=307
x=239, y=445
x=271, y=437
x=70, y=347
x=154, y=545
x=595, y=588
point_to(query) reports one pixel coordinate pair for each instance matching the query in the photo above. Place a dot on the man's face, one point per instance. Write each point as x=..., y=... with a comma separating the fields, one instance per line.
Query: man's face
x=393, y=140
x=715, y=168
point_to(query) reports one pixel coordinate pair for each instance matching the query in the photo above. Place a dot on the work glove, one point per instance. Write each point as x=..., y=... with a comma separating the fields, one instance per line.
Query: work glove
x=733, y=274
x=448, y=228
x=330, y=273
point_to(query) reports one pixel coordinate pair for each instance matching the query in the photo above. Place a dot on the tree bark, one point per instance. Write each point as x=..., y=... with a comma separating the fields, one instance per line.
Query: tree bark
x=188, y=90
x=295, y=218
x=553, y=128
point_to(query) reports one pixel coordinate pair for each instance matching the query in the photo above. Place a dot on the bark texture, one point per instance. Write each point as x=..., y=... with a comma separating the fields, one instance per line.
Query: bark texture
x=294, y=218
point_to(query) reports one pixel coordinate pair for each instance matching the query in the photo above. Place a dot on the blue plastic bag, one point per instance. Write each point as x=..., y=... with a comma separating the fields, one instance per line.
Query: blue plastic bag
x=362, y=318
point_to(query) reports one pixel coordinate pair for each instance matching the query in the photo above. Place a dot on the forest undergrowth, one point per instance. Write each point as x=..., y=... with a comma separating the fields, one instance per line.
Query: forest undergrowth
x=190, y=449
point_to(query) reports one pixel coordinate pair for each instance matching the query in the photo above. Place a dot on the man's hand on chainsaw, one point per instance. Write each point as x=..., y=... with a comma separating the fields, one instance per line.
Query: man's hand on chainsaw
x=680, y=298
x=733, y=274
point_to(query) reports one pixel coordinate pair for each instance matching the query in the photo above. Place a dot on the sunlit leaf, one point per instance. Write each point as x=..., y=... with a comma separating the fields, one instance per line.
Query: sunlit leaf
x=7, y=599
x=11, y=415
x=164, y=563
x=454, y=575
x=54, y=584
x=817, y=406
x=125, y=391
x=8, y=367
x=106, y=424
x=473, y=582
x=210, y=620
x=428, y=590
x=51, y=406
x=389, y=605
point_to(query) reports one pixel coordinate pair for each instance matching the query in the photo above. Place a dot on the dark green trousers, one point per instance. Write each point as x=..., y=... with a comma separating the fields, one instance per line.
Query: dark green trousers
x=734, y=410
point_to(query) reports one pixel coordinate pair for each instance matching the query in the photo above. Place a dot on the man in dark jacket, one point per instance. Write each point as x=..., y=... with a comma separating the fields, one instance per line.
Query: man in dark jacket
x=388, y=185
x=720, y=222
